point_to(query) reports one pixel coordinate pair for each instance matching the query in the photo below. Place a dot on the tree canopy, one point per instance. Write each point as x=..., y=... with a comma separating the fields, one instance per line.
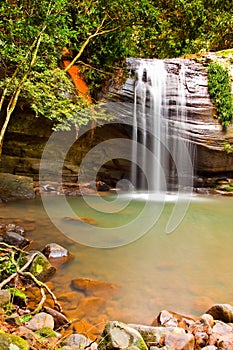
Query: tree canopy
x=97, y=35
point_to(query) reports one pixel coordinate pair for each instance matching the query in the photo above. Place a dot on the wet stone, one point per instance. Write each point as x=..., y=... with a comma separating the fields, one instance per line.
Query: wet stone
x=121, y=336
x=78, y=341
x=41, y=320
x=221, y=312
x=180, y=341
x=94, y=288
x=15, y=239
x=54, y=250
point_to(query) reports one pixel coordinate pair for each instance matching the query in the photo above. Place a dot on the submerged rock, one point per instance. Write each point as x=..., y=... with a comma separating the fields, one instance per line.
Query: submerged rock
x=86, y=220
x=93, y=287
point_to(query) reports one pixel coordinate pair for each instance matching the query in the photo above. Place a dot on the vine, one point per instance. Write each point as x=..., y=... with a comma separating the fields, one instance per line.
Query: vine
x=219, y=86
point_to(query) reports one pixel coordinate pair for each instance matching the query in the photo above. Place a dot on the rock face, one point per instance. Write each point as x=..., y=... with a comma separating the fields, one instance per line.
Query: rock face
x=201, y=128
x=27, y=136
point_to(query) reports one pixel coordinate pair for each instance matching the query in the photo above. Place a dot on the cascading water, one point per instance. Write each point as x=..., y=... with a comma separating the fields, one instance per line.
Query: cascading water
x=160, y=155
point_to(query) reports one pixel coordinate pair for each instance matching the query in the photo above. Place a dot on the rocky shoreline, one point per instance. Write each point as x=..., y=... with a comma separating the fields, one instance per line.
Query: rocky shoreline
x=31, y=316
x=14, y=187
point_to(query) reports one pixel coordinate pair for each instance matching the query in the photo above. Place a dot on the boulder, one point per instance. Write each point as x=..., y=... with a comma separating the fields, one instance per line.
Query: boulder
x=11, y=341
x=40, y=266
x=13, y=187
x=221, y=312
x=118, y=335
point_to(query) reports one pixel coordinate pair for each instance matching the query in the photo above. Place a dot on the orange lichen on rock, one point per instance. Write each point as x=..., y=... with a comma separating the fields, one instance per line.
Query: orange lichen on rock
x=79, y=83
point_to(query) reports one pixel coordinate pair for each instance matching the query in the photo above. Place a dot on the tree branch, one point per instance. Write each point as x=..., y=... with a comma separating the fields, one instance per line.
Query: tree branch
x=86, y=42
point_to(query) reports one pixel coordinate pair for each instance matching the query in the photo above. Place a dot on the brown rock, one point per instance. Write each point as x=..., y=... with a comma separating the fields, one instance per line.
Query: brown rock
x=180, y=341
x=166, y=317
x=86, y=328
x=14, y=187
x=222, y=312
x=83, y=219
x=95, y=288
x=69, y=298
x=91, y=305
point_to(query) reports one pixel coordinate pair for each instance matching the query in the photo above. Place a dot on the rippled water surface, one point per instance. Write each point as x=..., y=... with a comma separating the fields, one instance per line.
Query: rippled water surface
x=185, y=271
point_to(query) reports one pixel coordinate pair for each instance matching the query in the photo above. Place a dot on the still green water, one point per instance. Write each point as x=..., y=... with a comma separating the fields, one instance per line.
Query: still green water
x=185, y=271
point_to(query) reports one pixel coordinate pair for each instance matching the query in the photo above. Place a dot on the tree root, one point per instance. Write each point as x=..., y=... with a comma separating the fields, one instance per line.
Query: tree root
x=21, y=272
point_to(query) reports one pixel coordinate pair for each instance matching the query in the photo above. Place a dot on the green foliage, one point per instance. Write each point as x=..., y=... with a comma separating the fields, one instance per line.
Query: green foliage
x=228, y=188
x=15, y=292
x=6, y=267
x=112, y=31
x=25, y=318
x=46, y=332
x=220, y=91
x=228, y=148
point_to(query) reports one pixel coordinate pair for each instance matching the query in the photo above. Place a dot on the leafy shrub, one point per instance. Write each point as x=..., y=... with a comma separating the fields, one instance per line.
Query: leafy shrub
x=219, y=86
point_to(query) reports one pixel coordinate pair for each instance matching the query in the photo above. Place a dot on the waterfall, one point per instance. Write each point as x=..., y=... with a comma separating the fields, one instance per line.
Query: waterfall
x=159, y=152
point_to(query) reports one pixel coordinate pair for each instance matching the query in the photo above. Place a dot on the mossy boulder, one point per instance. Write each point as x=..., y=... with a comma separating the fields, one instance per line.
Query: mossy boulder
x=12, y=342
x=41, y=267
x=14, y=187
x=118, y=335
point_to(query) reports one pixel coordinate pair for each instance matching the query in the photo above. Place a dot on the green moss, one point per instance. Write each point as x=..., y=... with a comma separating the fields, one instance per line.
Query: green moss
x=228, y=188
x=219, y=86
x=11, y=341
x=227, y=147
x=46, y=332
x=16, y=293
x=225, y=53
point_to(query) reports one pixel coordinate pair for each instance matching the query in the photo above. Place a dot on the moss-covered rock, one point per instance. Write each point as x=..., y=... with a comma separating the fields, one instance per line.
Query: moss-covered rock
x=14, y=187
x=12, y=342
x=121, y=336
x=41, y=267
